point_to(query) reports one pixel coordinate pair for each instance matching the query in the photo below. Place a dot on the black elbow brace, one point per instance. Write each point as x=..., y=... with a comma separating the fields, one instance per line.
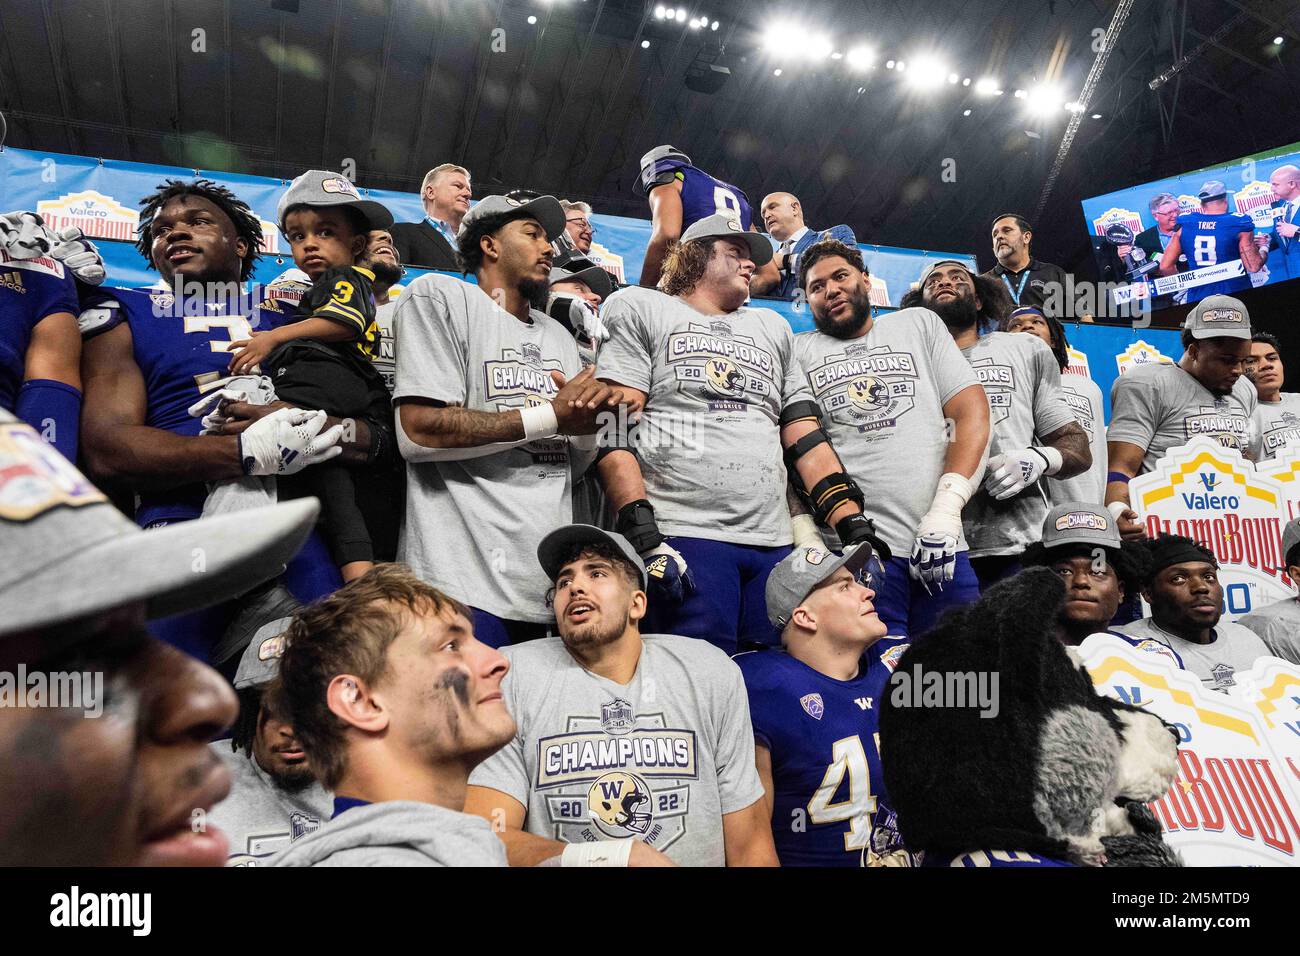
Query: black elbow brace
x=831, y=492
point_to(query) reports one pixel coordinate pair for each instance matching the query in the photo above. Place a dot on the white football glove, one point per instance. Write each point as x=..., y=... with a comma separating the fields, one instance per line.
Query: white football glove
x=581, y=317
x=79, y=256
x=253, y=389
x=666, y=548
x=23, y=235
x=1012, y=472
x=287, y=441
x=938, y=536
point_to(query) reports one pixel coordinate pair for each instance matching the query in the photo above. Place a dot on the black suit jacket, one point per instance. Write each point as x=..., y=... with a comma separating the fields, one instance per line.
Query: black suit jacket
x=1148, y=240
x=419, y=244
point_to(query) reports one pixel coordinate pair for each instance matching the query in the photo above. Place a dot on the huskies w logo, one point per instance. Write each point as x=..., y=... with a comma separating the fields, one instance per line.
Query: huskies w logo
x=863, y=702
x=611, y=790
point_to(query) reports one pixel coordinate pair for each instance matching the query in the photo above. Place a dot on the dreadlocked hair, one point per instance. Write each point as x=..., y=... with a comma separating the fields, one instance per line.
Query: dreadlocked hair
x=247, y=226
x=244, y=731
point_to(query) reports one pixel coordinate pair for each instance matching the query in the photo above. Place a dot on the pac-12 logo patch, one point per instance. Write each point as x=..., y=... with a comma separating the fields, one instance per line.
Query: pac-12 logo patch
x=812, y=705
x=617, y=717
x=620, y=803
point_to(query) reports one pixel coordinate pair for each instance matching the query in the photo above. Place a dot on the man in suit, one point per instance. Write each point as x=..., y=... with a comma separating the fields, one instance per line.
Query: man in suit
x=783, y=217
x=1284, y=241
x=1164, y=209
x=431, y=244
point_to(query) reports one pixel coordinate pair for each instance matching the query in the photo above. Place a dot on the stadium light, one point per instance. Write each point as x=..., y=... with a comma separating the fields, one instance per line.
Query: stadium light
x=966, y=82
x=645, y=44
x=965, y=112
x=1020, y=94
x=1096, y=116
x=987, y=86
x=715, y=25
x=1043, y=100
x=953, y=78
x=1278, y=40
x=837, y=55
x=681, y=14
x=860, y=58
x=817, y=48
x=777, y=37
x=889, y=64
x=695, y=24
x=900, y=66
x=1074, y=107
x=777, y=71
x=660, y=12
x=927, y=73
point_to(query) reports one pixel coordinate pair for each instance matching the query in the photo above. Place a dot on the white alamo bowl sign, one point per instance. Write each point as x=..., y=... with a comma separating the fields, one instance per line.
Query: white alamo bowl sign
x=1211, y=494
x=1236, y=798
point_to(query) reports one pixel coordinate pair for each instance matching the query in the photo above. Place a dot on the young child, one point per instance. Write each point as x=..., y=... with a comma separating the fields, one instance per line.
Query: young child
x=325, y=360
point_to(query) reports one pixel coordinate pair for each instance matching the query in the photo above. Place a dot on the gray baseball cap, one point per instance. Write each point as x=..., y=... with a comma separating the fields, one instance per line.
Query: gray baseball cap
x=721, y=226
x=320, y=187
x=261, y=660
x=1290, y=536
x=67, y=553
x=803, y=569
x=1218, y=316
x=1078, y=523
x=556, y=545
x=545, y=209
x=925, y=274
x=1212, y=190
x=587, y=272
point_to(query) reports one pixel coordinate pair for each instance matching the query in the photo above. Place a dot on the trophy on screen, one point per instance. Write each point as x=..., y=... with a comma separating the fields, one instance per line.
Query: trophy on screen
x=1135, y=261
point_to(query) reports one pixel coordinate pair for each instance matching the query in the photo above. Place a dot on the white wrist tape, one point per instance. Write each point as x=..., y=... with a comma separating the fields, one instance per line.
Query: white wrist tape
x=806, y=535
x=1053, y=456
x=951, y=495
x=539, y=421
x=600, y=853
x=1117, y=508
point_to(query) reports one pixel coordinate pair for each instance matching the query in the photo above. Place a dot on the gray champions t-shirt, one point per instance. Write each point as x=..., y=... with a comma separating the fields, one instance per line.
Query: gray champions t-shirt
x=1234, y=648
x=660, y=759
x=1083, y=396
x=709, y=440
x=1277, y=427
x=259, y=818
x=1023, y=383
x=1278, y=626
x=882, y=398
x=473, y=526
x=1159, y=407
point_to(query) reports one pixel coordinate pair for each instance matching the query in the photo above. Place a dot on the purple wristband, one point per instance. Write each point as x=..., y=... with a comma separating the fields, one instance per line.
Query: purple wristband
x=1117, y=476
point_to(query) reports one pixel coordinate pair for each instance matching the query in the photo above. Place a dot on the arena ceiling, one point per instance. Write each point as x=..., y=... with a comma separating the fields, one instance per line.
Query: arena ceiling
x=569, y=103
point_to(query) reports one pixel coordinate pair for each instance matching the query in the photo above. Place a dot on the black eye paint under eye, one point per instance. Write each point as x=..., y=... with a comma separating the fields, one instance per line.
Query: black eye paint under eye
x=456, y=681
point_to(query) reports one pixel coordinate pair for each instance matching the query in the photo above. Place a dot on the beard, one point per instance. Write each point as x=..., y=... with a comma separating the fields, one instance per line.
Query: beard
x=386, y=273
x=850, y=326
x=294, y=780
x=587, y=637
x=535, y=291
x=957, y=313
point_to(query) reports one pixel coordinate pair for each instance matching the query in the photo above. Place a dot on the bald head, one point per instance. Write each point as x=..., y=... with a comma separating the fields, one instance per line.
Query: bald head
x=1285, y=182
x=782, y=215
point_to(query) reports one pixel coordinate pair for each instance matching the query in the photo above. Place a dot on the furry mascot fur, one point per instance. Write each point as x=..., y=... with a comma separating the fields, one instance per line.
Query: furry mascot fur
x=1056, y=771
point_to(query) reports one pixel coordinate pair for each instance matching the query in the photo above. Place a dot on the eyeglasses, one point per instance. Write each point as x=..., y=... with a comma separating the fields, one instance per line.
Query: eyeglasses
x=586, y=224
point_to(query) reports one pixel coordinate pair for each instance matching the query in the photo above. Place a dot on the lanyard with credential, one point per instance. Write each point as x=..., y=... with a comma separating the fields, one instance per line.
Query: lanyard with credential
x=1016, y=293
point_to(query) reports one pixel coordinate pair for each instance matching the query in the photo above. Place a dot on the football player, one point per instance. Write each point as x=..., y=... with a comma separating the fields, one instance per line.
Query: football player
x=1034, y=433
x=40, y=346
x=1156, y=407
x=149, y=354
x=395, y=703
x=1084, y=398
x=1213, y=236
x=680, y=195
x=631, y=750
x=485, y=416
x=1276, y=421
x=722, y=397
x=813, y=707
x=1186, y=597
x=274, y=799
x=118, y=777
x=1278, y=624
x=891, y=391
x=1081, y=543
